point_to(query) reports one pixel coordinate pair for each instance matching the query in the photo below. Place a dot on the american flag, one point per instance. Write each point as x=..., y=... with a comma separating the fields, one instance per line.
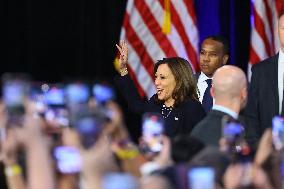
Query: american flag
x=264, y=38
x=156, y=29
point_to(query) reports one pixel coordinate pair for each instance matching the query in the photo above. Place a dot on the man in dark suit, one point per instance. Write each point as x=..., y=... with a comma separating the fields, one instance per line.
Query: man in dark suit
x=230, y=93
x=265, y=91
x=214, y=53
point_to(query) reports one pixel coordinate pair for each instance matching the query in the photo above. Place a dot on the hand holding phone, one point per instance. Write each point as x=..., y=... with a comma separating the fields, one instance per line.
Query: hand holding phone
x=278, y=132
x=236, y=146
x=56, y=112
x=201, y=178
x=15, y=90
x=103, y=93
x=68, y=159
x=77, y=93
x=55, y=96
x=152, y=130
x=232, y=131
x=89, y=124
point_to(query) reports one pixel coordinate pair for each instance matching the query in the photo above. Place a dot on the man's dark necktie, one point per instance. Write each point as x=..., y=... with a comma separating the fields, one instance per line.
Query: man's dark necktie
x=207, y=101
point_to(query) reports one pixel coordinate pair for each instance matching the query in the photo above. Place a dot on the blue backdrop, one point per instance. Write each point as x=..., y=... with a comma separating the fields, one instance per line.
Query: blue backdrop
x=230, y=18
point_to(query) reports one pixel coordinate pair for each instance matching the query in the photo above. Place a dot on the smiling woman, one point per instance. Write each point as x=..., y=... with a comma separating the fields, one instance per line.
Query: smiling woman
x=176, y=98
x=174, y=78
x=165, y=83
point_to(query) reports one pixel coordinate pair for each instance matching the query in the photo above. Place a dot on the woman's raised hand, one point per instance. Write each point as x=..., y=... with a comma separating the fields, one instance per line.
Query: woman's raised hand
x=123, y=50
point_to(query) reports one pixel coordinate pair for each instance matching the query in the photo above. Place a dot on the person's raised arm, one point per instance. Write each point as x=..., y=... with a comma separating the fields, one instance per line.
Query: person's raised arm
x=125, y=83
x=13, y=170
x=9, y=155
x=39, y=165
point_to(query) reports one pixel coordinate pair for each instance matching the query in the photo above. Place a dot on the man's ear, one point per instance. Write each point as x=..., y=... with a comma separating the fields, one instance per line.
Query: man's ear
x=225, y=59
x=244, y=93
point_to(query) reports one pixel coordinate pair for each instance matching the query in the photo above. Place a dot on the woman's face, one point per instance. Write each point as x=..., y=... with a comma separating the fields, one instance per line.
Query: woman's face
x=165, y=83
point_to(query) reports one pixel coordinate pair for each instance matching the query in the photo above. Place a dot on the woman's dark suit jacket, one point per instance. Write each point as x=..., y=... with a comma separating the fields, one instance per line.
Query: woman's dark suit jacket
x=182, y=118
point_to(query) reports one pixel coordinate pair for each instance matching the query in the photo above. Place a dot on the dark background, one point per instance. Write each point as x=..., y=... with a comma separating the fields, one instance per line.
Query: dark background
x=58, y=39
x=53, y=40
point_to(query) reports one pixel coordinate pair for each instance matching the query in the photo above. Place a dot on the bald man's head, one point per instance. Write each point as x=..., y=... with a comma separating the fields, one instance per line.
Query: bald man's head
x=229, y=83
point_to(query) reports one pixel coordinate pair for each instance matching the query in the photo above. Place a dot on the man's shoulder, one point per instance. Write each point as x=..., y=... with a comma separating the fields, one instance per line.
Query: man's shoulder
x=209, y=129
x=212, y=118
x=268, y=62
x=202, y=125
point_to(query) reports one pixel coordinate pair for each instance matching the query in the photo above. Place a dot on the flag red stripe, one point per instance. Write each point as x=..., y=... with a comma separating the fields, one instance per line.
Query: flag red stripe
x=140, y=16
x=182, y=33
x=139, y=47
x=270, y=24
x=259, y=27
x=155, y=28
x=190, y=9
x=279, y=6
x=254, y=58
x=257, y=53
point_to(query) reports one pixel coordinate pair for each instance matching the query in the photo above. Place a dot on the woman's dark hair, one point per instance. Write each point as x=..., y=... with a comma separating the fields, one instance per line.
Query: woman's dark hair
x=186, y=87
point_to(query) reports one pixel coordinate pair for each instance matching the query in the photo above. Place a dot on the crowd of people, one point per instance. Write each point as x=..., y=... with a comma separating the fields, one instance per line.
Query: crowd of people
x=210, y=130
